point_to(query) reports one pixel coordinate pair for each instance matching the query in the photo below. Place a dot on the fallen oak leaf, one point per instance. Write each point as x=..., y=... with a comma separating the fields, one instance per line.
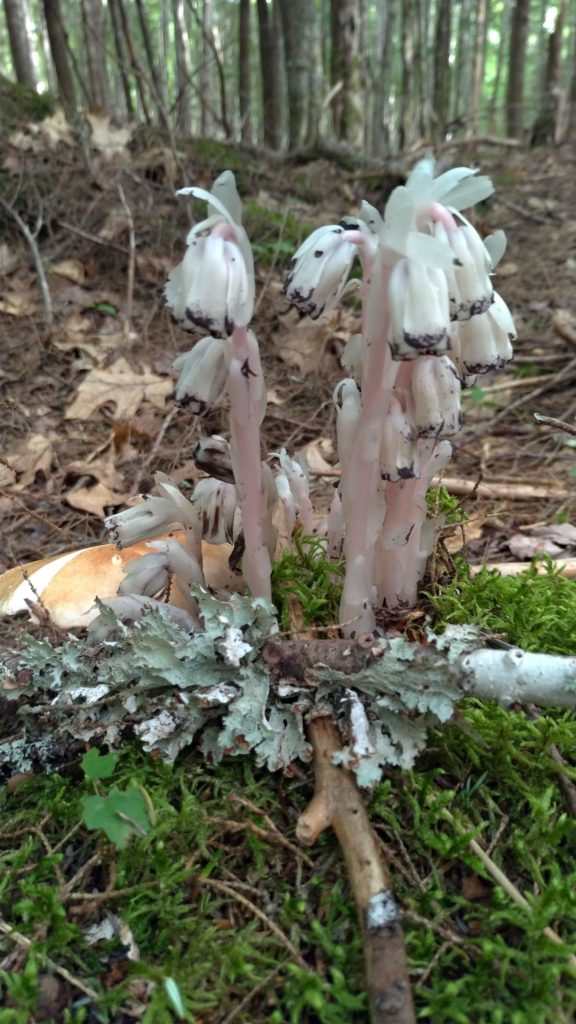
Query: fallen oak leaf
x=121, y=385
x=98, y=500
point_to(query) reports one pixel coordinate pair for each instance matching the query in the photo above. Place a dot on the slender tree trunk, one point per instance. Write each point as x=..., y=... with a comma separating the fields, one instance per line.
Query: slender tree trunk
x=461, y=91
x=271, y=76
x=316, y=83
x=298, y=25
x=16, y=12
x=59, y=52
x=95, y=48
x=244, y=71
x=122, y=59
x=545, y=126
x=134, y=61
x=158, y=80
x=385, y=138
x=516, y=66
x=482, y=11
x=494, y=114
x=442, y=68
x=206, y=101
x=407, y=89
x=345, y=69
x=183, y=68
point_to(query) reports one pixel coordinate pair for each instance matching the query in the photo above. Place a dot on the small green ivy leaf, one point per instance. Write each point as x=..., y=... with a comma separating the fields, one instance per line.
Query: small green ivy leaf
x=121, y=815
x=98, y=766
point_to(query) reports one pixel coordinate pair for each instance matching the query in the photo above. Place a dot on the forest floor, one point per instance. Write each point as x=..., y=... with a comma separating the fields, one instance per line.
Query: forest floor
x=216, y=916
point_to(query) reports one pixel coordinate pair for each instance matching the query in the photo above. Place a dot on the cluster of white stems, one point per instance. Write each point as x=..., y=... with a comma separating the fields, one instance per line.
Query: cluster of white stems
x=431, y=321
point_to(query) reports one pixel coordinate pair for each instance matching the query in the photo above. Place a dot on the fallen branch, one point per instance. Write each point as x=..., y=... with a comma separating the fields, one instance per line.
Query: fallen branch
x=511, y=492
x=566, y=567
x=338, y=803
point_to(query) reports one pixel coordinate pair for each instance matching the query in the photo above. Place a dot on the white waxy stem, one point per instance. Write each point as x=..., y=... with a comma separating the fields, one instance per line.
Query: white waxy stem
x=399, y=453
x=436, y=393
x=180, y=562
x=349, y=406
x=485, y=341
x=203, y=374
x=287, y=502
x=356, y=612
x=320, y=269
x=471, y=291
x=419, y=310
x=352, y=356
x=217, y=505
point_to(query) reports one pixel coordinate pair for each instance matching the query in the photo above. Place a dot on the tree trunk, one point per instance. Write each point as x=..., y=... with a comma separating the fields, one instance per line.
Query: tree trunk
x=122, y=59
x=545, y=126
x=16, y=12
x=516, y=65
x=270, y=53
x=59, y=52
x=244, y=70
x=133, y=54
x=481, y=33
x=442, y=68
x=298, y=17
x=345, y=70
x=206, y=101
x=461, y=92
x=183, y=69
x=158, y=80
x=407, y=88
x=494, y=115
x=95, y=48
x=383, y=133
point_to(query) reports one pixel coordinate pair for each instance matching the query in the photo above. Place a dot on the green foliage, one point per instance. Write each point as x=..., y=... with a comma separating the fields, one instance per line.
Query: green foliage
x=121, y=814
x=440, y=502
x=275, y=235
x=98, y=766
x=534, y=611
x=307, y=576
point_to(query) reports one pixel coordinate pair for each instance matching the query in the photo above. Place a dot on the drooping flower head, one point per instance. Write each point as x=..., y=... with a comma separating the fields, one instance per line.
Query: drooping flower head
x=213, y=287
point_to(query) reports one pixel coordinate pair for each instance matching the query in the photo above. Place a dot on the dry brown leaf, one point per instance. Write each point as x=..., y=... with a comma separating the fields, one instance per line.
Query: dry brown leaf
x=106, y=138
x=7, y=475
x=71, y=270
x=8, y=258
x=121, y=385
x=29, y=456
x=315, y=454
x=20, y=302
x=98, y=500
x=102, y=470
x=302, y=343
x=564, y=323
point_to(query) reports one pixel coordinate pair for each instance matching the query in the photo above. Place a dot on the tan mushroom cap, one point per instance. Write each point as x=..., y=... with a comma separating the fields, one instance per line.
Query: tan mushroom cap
x=67, y=585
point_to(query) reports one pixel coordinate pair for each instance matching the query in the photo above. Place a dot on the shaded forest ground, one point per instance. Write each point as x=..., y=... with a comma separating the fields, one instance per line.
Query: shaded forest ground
x=86, y=421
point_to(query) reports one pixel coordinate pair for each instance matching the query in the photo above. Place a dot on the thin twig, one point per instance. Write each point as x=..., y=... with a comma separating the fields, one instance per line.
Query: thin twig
x=42, y=279
x=262, y=833
x=250, y=996
x=131, y=263
x=227, y=890
x=553, y=380
x=502, y=880
x=338, y=803
x=104, y=242
x=551, y=421
x=25, y=943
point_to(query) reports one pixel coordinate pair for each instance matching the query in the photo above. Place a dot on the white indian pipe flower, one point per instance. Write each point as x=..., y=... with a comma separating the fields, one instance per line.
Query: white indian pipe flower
x=348, y=402
x=300, y=489
x=456, y=189
x=320, y=269
x=217, y=505
x=351, y=358
x=153, y=515
x=213, y=286
x=148, y=575
x=399, y=453
x=180, y=563
x=203, y=374
x=419, y=310
x=485, y=341
x=436, y=393
x=213, y=456
x=470, y=288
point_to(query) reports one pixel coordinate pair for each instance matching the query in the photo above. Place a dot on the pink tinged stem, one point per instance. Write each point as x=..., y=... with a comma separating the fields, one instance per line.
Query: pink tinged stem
x=247, y=404
x=360, y=490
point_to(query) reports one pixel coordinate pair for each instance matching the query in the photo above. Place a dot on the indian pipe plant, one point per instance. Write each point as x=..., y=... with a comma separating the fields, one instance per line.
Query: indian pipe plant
x=431, y=321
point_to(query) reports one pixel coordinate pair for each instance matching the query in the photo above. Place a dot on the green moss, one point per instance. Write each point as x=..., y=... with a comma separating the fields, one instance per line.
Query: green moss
x=309, y=578
x=534, y=611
